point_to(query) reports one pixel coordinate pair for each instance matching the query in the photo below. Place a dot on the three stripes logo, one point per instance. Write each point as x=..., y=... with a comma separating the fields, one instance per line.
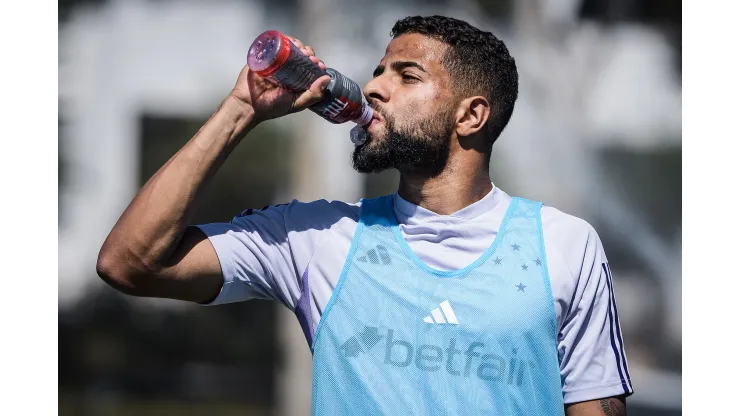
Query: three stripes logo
x=442, y=315
x=377, y=255
x=615, y=329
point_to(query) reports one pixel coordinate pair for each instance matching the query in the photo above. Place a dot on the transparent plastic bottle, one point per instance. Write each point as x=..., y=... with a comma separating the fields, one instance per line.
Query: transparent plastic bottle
x=273, y=56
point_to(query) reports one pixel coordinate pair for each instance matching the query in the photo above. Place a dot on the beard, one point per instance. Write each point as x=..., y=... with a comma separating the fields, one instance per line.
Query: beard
x=423, y=150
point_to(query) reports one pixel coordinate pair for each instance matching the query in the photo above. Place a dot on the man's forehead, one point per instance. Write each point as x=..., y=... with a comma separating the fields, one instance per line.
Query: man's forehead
x=415, y=47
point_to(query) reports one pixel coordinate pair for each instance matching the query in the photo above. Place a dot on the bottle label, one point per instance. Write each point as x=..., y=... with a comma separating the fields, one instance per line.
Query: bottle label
x=340, y=109
x=342, y=101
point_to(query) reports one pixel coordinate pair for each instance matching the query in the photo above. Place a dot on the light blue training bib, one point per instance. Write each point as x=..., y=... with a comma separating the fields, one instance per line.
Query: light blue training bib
x=401, y=338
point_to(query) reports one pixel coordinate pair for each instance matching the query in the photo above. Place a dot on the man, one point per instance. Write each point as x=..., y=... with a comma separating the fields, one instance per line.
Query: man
x=447, y=297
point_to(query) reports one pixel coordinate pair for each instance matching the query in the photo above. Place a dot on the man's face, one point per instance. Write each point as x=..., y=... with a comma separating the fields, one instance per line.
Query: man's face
x=410, y=90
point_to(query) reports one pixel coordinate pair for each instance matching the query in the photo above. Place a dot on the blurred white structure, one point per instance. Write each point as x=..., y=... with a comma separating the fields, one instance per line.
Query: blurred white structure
x=582, y=87
x=117, y=63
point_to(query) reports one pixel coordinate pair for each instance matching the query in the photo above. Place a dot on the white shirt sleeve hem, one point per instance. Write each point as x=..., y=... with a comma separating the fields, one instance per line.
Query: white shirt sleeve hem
x=227, y=269
x=595, y=393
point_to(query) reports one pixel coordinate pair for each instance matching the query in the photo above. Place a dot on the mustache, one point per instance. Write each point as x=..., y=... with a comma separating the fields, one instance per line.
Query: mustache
x=380, y=110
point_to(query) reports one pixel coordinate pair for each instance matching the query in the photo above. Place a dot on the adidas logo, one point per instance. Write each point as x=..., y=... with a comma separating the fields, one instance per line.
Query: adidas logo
x=442, y=315
x=377, y=255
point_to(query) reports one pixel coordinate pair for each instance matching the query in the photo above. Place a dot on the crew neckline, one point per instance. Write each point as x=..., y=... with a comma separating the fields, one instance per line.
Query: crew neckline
x=406, y=210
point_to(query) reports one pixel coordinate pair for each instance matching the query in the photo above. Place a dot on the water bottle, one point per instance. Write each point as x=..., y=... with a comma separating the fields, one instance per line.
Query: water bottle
x=273, y=56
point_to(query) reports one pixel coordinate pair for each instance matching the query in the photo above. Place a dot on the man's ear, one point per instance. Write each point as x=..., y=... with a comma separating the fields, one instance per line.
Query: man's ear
x=472, y=115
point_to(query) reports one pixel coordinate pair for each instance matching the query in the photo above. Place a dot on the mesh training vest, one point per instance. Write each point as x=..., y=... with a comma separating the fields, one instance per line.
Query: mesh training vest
x=398, y=337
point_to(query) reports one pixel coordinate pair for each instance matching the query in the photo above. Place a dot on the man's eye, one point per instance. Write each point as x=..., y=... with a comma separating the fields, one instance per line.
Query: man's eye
x=409, y=78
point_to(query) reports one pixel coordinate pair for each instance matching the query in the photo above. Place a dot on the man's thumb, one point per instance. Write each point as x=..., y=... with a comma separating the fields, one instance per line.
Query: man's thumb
x=314, y=94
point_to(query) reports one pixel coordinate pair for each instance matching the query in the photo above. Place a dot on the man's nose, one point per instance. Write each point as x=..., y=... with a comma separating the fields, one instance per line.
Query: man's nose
x=377, y=90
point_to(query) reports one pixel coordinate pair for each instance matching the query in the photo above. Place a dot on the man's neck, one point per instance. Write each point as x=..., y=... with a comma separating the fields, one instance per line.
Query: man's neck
x=447, y=193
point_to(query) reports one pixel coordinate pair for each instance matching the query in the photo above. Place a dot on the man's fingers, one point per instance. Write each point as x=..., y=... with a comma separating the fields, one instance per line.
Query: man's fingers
x=296, y=42
x=318, y=62
x=314, y=94
x=304, y=48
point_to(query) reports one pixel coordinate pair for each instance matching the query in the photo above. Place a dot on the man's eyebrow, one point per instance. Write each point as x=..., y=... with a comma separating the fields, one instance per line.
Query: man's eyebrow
x=398, y=66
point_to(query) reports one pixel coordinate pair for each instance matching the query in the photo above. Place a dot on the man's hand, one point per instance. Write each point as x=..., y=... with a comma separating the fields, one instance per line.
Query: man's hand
x=610, y=406
x=269, y=100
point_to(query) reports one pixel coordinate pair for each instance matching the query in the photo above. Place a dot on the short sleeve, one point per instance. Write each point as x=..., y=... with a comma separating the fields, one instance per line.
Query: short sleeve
x=591, y=349
x=255, y=256
x=264, y=252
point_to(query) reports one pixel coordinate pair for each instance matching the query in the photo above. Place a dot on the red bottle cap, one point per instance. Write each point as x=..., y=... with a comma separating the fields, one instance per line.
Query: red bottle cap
x=282, y=54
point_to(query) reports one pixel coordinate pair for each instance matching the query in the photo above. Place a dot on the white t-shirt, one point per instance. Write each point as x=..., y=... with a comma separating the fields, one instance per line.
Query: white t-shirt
x=294, y=253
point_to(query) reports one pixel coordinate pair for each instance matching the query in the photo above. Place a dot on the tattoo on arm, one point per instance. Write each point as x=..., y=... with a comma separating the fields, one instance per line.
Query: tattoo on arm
x=612, y=407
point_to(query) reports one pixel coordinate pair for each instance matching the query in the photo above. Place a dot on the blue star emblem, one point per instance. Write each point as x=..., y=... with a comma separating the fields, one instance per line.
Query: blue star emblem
x=515, y=247
x=521, y=287
x=497, y=260
x=524, y=267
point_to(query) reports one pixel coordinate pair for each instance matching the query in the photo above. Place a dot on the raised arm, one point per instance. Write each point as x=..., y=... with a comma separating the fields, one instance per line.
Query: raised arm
x=610, y=406
x=151, y=251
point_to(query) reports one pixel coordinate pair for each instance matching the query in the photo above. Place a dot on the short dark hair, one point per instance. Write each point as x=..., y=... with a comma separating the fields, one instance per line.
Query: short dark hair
x=478, y=62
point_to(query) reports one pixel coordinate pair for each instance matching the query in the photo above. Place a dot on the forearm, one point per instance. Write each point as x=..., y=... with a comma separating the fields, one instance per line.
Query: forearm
x=611, y=406
x=149, y=229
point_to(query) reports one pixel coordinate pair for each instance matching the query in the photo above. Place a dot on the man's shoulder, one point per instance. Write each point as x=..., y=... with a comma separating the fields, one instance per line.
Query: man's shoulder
x=556, y=221
x=570, y=238
x=312, y=218
x=303, y=225
x=322, y=211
